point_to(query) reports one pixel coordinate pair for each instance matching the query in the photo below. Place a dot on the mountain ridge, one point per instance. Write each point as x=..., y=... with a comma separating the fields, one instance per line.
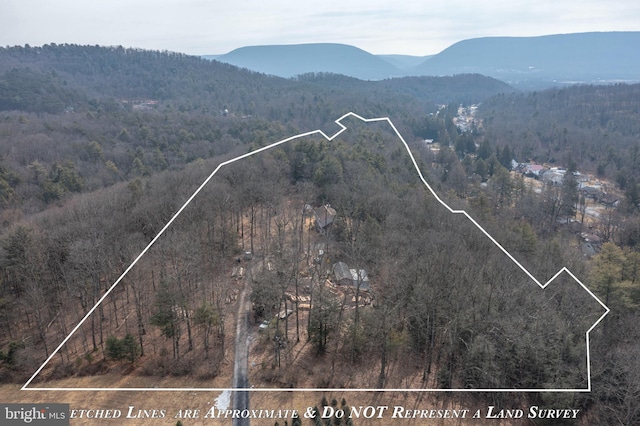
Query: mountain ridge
x=295, y=59
x=548, y=60
x=585, y=57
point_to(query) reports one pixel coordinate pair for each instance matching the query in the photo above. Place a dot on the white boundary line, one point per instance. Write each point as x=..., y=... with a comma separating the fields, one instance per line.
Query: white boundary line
x=424, y=181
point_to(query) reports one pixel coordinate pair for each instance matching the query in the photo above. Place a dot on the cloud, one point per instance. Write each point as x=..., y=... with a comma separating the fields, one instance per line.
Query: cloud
x=202, y=26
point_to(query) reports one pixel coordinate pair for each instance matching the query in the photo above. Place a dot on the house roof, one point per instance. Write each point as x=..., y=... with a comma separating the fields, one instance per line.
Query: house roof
x=360, y=279
x=359, y=274
x=325, y=215
x=355, y=277
x=341, y=271
x=591, y=190
x=609, y=199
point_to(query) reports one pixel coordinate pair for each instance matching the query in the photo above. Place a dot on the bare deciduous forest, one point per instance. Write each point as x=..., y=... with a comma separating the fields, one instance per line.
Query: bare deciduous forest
x=101, y=146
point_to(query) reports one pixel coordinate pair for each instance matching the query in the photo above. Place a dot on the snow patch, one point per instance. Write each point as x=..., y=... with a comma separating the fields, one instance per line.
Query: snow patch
x=223, y=401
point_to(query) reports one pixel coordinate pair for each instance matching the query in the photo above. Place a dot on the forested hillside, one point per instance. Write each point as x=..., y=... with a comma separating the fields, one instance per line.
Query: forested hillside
x=594, y=127
x=114, y=113
x=101, y=146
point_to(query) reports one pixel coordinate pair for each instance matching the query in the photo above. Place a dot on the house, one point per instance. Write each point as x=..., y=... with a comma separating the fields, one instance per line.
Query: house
x=554, y=176
x=580, y=178
x=324, y=216
x=356, y=278
x=359, y=279
x=591, y=238
x=588, y=250
x=533, y=170
x=609, y=200
x=592, y=192
x=342, y=274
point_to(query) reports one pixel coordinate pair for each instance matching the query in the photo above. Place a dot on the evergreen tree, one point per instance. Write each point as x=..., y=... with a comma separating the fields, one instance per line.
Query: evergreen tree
x=485, y=151
x=505, y=157
x=569, y=194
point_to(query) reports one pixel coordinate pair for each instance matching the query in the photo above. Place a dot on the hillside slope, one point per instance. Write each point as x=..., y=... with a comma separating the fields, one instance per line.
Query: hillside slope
x=586, y=57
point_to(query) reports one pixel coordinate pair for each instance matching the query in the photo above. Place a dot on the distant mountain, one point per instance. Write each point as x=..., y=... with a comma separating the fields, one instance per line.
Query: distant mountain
x=567, y=58
x=525, y=62
x=291, y=60
x=404, y=62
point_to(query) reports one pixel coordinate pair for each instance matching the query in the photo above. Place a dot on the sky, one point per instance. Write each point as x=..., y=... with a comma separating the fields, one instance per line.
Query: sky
x=202, y=27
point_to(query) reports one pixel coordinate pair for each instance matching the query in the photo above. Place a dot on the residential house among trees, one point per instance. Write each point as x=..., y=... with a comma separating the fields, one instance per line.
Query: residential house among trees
x=324, y=215
x=356, y=278
x=342, y=274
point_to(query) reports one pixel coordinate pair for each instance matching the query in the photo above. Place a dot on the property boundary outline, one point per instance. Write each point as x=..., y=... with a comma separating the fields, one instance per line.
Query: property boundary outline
x=424, y=181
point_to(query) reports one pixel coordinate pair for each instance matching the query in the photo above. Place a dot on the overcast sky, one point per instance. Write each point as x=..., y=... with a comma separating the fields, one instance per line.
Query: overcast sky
x=199, y=27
